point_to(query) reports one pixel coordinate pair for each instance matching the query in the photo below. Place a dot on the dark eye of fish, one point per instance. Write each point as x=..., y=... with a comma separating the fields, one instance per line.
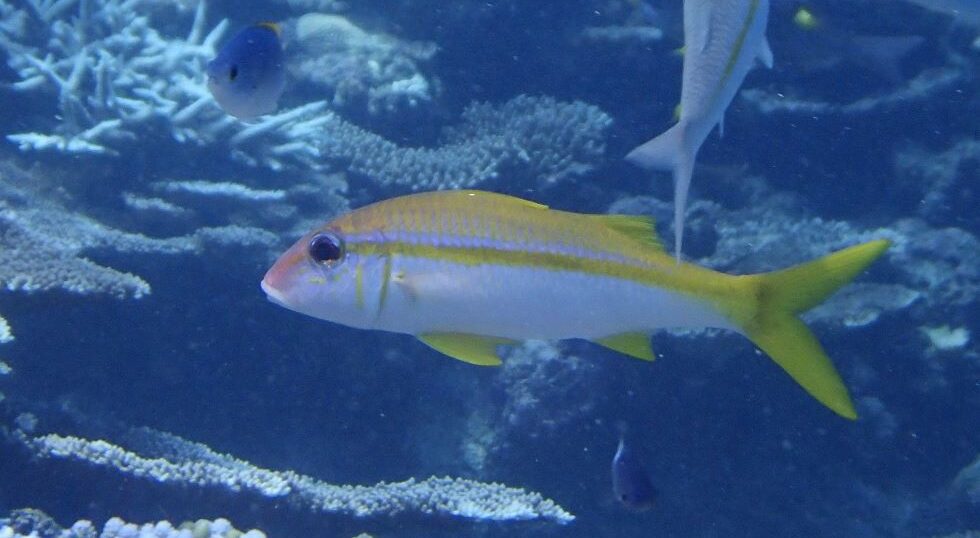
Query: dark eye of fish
x=233, y=74
x=326, y=248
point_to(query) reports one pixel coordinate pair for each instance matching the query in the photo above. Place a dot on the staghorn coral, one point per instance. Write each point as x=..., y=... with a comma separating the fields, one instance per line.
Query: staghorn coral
x=106, y=67
x=43, y=246
x=116, y=81
x=222, y=189
x=166, y=458
x=623, y=34
x=287, y=211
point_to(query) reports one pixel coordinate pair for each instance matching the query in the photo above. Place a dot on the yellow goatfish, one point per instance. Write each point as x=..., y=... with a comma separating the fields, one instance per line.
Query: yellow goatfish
x=467, y=271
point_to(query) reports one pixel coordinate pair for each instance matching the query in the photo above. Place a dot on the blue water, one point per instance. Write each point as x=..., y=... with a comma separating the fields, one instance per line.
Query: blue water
x=734, y=447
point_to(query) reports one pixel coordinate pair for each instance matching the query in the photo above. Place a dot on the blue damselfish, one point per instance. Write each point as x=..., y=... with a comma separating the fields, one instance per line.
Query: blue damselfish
x=247, y=77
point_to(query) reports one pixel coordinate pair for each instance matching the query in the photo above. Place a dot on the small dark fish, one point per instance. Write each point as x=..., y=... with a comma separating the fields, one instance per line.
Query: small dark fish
x=247, y=77
x=631, y=483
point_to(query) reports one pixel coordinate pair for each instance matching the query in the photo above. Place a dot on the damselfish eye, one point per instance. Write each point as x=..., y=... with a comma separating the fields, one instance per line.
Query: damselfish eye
x=233, y=73
x=326, y=248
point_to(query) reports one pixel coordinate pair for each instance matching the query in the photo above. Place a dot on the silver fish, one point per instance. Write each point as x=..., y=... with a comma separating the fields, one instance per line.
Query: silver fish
x=722, y=40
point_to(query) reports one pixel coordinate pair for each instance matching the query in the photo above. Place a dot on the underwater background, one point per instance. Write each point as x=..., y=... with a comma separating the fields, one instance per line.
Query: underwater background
x=144, y=375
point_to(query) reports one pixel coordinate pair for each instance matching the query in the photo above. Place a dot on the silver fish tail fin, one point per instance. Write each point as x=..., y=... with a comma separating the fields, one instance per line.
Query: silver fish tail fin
x=660, y=153
x=682, y=184
x=670, y=151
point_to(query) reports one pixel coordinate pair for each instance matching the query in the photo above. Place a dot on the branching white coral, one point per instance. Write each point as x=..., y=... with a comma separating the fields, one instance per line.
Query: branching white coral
x=116, y=81
x=224, y=189
x=166, y=458
x=44, y=246
x=6, y=335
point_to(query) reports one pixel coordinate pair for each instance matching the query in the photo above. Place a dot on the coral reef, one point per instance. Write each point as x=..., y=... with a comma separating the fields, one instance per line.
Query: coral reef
x=225, y=189
x=104, y=65
x=526, y=139
x=362, y=71
x=4, y=371
x=930, y=84
x=28, y=523
x=623, y=34
x=135, y=165
x=141, y=85
x=117, y=82
x=543, y=390
x=317, y=5
x=967, y=482
x=535, y=371
x=43, y=247
x=166, y=458
x=147, y=456
x=940, y=183
x=6, y=335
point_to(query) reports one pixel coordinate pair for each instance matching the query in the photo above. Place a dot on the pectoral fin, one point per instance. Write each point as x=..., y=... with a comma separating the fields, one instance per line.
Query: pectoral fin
x=406, y=285
x=471, y=348
x=635, y=345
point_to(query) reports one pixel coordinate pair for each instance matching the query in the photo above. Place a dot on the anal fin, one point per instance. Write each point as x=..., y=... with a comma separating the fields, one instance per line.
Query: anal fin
x=636, y=345
x=469, y=348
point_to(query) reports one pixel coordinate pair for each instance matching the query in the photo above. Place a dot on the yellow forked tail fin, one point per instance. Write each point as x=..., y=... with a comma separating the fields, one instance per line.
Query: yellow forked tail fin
x=774, y=326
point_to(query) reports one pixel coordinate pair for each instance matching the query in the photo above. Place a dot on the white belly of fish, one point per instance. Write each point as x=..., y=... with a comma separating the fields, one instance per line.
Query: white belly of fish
x=521, y=302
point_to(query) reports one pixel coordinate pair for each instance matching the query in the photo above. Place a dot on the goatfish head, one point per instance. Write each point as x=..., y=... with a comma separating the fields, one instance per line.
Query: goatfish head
x=320, y=277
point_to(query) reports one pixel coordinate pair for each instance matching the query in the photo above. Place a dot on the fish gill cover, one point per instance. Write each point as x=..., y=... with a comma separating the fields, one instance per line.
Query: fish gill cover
x=136, y=219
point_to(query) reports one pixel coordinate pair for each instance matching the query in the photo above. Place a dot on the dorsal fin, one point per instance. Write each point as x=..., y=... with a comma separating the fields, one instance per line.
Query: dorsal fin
x=490, y=196
x=271, y=26
x=638, y=228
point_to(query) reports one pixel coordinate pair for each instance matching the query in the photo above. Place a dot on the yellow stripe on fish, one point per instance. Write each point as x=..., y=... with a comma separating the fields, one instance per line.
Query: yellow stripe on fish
x=466, y=271
x=739, y=43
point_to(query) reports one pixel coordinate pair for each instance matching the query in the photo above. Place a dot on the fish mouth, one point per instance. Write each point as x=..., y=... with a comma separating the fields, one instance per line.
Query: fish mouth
x=273, y=294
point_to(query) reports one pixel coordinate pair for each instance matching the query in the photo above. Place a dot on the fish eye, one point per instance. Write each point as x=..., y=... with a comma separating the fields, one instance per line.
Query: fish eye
x=233, y=73
x=326, y=248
